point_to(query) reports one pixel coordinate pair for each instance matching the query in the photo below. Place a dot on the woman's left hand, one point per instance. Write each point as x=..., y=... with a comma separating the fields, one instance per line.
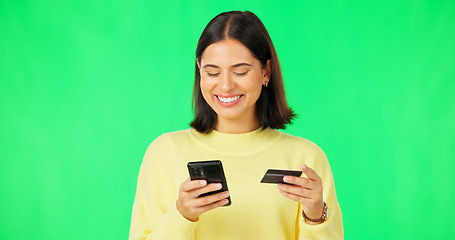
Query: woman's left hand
x=307, y=191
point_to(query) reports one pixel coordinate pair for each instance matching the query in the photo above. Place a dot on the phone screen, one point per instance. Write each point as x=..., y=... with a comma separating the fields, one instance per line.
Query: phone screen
x=212, y=172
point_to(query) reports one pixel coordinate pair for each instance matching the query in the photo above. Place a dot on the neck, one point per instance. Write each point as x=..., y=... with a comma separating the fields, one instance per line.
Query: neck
x=236, y=126
x=246, y=143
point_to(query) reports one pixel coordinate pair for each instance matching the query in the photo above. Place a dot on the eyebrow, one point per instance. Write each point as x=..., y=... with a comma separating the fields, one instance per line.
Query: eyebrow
x=233, y=66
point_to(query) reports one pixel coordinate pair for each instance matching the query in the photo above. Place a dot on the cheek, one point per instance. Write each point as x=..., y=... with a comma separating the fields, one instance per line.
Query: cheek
x=206, y=87
x=253, y=84
x=206, y=84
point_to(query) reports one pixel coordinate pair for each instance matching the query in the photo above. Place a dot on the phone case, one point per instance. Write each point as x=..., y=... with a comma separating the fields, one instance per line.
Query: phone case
x=211, y=171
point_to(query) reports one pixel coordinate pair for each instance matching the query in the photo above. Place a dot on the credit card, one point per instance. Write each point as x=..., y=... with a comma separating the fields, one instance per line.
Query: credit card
x=276, y=175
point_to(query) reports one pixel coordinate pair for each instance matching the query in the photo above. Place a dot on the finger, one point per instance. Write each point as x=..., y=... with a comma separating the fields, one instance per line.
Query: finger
x=297, y=190
x=300, y=181
x=310, y=173
x=213, y=205
x=189, y=185
x=210, y=199
x=294, y=197
x=209, y=188
x=310, y=206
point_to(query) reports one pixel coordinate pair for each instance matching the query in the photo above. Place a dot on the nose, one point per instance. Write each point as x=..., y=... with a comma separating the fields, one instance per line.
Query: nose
x=226, y=83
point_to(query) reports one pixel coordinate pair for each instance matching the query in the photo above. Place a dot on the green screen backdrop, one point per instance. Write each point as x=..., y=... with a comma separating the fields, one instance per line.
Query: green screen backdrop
x=85, y=86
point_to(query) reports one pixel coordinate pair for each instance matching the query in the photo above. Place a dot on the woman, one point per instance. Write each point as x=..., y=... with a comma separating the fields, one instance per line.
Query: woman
x=239, y=100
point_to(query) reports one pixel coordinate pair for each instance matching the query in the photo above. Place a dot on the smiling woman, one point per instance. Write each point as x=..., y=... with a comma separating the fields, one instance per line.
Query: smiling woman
x=232, y=85
x=248, y=50
x=239, y=102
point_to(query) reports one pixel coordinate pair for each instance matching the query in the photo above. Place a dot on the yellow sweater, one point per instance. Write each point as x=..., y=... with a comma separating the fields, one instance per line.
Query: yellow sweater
x=258, y=210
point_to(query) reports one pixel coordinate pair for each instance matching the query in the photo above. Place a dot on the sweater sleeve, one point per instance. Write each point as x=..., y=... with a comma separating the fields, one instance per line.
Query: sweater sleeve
x=155, y=215
x=332, y=228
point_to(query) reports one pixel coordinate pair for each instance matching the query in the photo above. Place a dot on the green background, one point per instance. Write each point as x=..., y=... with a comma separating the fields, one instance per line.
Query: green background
x=85, y=86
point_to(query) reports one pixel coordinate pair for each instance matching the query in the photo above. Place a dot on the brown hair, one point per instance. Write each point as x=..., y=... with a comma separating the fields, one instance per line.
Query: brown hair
x=271, y=108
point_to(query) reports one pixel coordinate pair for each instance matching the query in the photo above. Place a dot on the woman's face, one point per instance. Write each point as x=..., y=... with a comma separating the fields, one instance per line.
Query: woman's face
x=231, y=81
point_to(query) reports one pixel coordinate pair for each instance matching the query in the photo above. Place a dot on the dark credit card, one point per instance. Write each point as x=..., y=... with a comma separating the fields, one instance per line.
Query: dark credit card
x=276, y=175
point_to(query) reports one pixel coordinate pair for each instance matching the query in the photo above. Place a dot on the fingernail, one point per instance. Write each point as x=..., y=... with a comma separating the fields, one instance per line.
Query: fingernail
x=226, y=194
x=286, y=179
x=280, y=186
x=202, y=182
x=218, y=186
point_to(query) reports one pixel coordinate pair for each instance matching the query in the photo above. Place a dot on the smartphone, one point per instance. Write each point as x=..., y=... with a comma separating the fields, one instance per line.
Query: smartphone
x=210, y=171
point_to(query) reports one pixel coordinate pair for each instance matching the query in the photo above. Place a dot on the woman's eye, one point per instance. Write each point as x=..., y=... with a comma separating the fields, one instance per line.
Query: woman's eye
x=213, y=74
x=241, y=74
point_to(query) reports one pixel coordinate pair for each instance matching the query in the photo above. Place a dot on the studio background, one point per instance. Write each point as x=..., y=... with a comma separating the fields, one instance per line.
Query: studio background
x=85, y=86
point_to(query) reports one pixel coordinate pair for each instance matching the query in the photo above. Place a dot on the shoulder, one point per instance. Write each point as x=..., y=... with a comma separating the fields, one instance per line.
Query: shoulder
x=296, y=141
x=173, y=135
x=165, y=144
x=303, y=148
x=170, y=138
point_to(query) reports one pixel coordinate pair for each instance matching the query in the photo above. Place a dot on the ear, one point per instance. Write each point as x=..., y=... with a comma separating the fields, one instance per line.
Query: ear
x=266, y=72
x=198, y=65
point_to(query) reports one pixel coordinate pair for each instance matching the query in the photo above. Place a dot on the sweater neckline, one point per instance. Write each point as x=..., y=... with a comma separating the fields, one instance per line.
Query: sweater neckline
x=237, y=143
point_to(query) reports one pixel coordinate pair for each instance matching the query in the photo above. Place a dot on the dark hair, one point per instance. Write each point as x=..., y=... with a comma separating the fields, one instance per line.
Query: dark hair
x=271, y=108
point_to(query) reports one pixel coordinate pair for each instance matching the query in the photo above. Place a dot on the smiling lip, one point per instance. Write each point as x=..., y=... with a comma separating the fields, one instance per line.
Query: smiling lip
x=228, y=101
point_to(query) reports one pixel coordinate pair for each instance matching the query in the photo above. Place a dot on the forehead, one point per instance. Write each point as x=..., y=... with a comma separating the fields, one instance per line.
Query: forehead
x=227, y=52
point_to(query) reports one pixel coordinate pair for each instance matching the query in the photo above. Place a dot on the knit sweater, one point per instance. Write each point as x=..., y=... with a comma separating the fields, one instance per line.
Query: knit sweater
x=258, y=210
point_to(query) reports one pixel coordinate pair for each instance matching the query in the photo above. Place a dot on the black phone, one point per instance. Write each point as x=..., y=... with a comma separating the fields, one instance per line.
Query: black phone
x=210, y=171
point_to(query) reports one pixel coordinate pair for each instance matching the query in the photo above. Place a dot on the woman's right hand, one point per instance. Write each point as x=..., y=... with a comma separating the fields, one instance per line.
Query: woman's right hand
x=191, y=206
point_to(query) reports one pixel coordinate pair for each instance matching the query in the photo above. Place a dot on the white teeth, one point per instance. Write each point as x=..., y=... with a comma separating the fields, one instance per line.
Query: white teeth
x=228, y=100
